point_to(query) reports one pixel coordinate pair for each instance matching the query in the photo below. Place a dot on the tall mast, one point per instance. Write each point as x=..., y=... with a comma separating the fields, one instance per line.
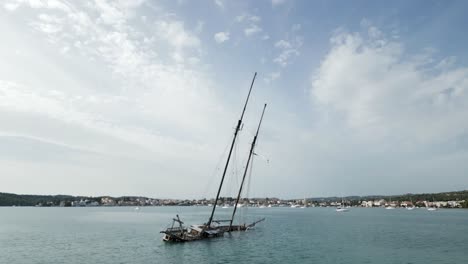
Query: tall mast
x=239, y=123
x=246, y=168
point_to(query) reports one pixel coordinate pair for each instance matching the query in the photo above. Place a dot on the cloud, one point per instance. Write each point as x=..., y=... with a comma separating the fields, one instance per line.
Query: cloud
x=272, y=77
x=252, y=29
x=283, y=44
x=174, y=32
x=221, y=37
x=288, y=49
x=245, y=17
x=219, y=3
x=296, y=27
x=12, y=5
x=277, y=2
x=252, y=22
x=150, y=93
x=383, y=93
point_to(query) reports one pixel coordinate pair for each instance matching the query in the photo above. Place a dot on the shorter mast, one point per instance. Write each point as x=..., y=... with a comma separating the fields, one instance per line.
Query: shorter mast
x=246, y=168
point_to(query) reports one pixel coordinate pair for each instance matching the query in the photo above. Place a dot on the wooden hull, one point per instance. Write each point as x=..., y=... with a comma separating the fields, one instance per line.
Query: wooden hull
x=188, y=235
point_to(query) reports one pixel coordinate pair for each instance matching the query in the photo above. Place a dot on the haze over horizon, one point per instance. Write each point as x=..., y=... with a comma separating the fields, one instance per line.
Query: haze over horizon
x=141, y=97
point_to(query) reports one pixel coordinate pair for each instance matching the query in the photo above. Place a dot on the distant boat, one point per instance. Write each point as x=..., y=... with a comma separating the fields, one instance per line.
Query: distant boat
x=390, y=207
x=225, y=206
x=410, y=208
x=342, y=209
x=262, y=206
x=137, y=208
x=294, y=206
x=433, y=207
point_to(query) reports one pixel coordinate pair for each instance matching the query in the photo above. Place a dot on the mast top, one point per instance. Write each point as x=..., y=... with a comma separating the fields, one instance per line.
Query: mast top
x=248, y=96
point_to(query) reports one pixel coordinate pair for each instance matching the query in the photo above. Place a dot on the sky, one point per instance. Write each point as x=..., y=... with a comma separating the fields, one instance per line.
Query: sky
x=142, y=97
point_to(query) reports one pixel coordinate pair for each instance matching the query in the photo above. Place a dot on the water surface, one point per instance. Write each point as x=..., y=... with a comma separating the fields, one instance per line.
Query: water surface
x=289, y=235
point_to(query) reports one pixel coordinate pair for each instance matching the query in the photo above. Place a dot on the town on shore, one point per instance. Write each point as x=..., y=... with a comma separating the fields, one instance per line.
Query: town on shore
x=440, y=200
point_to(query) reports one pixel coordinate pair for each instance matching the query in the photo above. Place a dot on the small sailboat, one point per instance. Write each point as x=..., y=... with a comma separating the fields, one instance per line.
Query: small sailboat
x=342, y=207
x=432, y=207
x=412, y=207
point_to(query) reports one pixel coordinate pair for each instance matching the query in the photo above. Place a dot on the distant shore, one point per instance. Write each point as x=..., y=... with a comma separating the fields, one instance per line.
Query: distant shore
x=457, y=199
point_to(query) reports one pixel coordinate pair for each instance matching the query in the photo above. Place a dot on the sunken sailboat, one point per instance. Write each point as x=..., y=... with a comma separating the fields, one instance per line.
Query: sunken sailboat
x=216, y=228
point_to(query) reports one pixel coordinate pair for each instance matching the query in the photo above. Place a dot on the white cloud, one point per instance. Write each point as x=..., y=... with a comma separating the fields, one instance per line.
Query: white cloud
x=252, y=29
x=219, y=3
x=245, y=17
x=221, y=37
x=252, y=23
x=11, y=6
x=384, y=93
x=272, y=77
x=288, y=49
x=199, y=27
x=296, y=27
x=283, y=44
x=277, y=2
x=174, y=32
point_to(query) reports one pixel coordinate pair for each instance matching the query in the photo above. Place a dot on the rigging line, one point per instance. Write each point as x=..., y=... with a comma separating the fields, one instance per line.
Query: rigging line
x=246, y=193
x=234, y=168
x=216, y=169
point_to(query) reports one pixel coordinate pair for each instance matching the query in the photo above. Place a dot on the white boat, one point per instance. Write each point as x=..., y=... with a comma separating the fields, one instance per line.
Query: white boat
x=432, y=209
x=137, y=208
x=342, y=209
x=262, y=206
x=410, y=208
x=294, y=206
x=390, y=207
x=225, y=206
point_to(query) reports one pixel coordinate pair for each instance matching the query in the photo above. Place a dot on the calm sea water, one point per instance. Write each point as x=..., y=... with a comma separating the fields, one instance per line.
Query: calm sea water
x=289, y=235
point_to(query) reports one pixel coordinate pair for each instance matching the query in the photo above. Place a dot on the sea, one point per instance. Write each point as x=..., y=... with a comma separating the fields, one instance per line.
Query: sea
x=288, y=235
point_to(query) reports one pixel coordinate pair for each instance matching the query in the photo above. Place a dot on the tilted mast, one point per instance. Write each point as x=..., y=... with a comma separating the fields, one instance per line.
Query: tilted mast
x=239, y=123
x=246, y=168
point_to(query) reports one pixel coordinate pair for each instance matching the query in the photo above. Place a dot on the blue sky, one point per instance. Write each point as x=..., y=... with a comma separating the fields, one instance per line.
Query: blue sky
x=141, y=97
